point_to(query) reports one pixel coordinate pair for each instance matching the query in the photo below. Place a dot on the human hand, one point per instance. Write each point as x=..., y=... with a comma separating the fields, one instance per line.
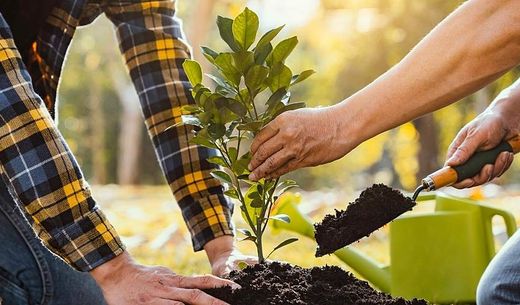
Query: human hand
x=296, y=139
x=485, y=132
x=224, y=257
x=125, y=282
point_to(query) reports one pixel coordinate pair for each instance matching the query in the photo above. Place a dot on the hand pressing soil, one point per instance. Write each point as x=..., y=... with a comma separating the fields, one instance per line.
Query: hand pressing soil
x=375, y=207
x=283, y=284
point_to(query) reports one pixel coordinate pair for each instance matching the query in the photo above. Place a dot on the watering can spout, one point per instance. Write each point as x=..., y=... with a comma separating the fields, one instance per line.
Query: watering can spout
x=370, y=269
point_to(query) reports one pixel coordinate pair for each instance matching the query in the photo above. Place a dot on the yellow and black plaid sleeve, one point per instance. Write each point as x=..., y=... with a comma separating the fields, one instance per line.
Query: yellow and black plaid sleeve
x=151, y=41
x=42, y=174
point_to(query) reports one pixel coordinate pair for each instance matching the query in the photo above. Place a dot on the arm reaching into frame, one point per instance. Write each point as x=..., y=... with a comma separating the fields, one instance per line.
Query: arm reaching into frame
x=472, y=47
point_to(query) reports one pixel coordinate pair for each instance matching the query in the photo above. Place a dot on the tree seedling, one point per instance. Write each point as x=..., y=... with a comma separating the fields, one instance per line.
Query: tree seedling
x=252, y=87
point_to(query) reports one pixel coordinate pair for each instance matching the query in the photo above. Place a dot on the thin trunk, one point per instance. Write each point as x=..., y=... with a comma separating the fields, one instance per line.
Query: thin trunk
x=99, y=171
x=130, y=131
x=429, y=145
x=200, y=27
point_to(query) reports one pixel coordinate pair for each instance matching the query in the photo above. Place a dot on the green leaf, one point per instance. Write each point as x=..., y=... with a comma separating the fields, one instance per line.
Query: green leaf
x=222, y=176
x=281, y=217
x=251, y=238
x=193, y=71
x=257, y=203
x=229, y=131
x=201, y=96
x=225, y=27
x=191, y=120
x=254, y=126
x=245, y=26
x=286, y=183
x=189, y=109
x=203, y=141
x=236, y=107
x=268, y=37
x=220, y=82
x=244, y=60
x=240, y=166
x=261, y=53
x=246, y=232
x=279, y=77
x=233, y=154
x=232, y=194
x=218, y=160
x=242, y=265
x=289, y=107
x=226, y=64
x=276, y=97
x=247, y=208
x=217, y=131
x=209, y=54
x=302, y=76
x=283, y=244
x=256, y=77
x=282, y=50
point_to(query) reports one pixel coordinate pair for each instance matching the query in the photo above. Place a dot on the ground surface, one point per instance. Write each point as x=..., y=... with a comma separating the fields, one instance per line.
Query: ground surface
x=282, y=284
x=152, y=227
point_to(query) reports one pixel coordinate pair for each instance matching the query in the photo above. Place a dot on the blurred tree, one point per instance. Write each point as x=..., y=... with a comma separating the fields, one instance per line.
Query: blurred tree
x=349, y=43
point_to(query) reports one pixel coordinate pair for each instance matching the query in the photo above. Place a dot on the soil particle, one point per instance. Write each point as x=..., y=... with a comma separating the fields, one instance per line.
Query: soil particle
x=375, y=207
x=284, y=284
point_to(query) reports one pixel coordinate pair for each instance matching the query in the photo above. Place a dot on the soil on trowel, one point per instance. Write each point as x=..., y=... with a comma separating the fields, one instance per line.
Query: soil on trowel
x=284, y=284
x=375, y=207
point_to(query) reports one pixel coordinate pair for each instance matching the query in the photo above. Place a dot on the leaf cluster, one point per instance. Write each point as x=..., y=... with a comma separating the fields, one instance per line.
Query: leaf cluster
x=252, y=86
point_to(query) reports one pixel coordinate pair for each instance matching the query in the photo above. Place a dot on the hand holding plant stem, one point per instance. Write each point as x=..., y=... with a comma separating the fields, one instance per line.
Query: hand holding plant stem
x=232, y=113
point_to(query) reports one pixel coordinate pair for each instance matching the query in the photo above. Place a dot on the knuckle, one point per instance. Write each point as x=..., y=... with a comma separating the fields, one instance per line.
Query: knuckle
x=183, y=281
x=206, y=280
x=176, y=280
x=195, y=295
x=270, y=163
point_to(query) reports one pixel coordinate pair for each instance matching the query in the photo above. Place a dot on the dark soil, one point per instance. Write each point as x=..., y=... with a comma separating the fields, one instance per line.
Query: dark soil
x=283, y=284
x=375, y=207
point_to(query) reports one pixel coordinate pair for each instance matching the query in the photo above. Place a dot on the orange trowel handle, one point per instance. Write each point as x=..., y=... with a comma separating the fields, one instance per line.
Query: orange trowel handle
x=449, y=175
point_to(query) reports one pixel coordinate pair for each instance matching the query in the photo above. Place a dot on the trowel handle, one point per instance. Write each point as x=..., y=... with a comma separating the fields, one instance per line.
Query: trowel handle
x=449, y=175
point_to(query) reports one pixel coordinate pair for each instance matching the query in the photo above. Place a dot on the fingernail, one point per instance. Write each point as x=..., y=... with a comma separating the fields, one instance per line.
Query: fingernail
x=235, y=286
x=252, y=177
x=249, y=167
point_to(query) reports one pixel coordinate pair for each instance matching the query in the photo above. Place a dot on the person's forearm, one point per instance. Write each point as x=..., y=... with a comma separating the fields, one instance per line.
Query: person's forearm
x=471, y=48
x=220, y=246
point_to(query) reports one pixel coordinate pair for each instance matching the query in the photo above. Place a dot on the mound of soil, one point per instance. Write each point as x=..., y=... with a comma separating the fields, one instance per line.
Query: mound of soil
x=283, y=284
x=375, y=207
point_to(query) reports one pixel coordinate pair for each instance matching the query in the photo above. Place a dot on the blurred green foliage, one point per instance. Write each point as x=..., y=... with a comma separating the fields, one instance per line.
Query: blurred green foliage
x=349, y=43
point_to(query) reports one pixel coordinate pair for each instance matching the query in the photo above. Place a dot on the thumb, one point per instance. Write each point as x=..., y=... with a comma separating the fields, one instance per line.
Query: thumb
x=464, y=151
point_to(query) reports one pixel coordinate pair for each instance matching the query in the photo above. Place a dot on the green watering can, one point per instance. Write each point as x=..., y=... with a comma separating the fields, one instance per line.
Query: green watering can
x=438, y=256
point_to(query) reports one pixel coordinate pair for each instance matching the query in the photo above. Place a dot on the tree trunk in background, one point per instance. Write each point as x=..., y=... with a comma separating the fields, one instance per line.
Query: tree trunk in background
x=429, y=145
x=130, y=131
x=97, y=121
x=482, y=99
x=199, y=28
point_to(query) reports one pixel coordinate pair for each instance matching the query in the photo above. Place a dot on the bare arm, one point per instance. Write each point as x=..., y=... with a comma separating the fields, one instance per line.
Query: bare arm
x=472, y=47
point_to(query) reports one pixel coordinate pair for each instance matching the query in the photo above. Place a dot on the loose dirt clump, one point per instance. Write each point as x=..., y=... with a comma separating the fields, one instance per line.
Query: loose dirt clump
x=375, y=207
x=283, y=284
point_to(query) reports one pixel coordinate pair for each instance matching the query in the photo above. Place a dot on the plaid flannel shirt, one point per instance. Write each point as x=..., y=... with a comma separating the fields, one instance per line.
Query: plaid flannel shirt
x=38, y=167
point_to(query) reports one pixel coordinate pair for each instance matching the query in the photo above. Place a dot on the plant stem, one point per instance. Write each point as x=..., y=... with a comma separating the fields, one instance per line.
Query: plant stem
x=239, y=140
x=244, y=103
x=253, y=103
x=259, y=241
x=270, y=203
x=224, y=152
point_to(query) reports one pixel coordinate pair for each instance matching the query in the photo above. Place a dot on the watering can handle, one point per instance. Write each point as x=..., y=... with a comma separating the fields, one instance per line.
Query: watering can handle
x=509, y=219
